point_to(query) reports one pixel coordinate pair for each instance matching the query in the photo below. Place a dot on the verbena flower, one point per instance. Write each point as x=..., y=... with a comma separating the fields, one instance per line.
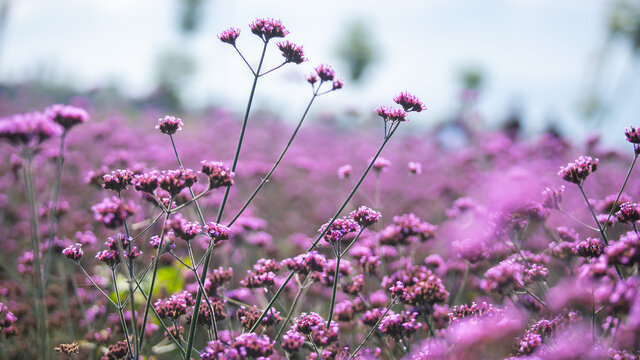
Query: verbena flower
x=325, y=72
x=338, y=229
x=29, y=129
x=147, y=182
x=117, y=180
x=632, y=134
x=229, y=36
x=291, y=52
x=174, y=181
x=219, y=175
x=268, y=28
x=217, y=232
x=169, y=125
x=67, y=116
x=629, y=213
x=577, y=171
x=365, y=216
x=73, y=252
x=409, y=102
x=390, y=114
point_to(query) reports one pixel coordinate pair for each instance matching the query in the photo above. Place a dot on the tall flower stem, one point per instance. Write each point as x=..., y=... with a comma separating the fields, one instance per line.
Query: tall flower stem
x=205, y=267
x=624, y=184
x=153, y=276
x=595, y=218
x=336, y=277
x=53, y=210
x=315, y=243
x=373, y=329
x=134, y=326
x=301, y=288
x=275, y=165
x=120, y=312
x=43, y=336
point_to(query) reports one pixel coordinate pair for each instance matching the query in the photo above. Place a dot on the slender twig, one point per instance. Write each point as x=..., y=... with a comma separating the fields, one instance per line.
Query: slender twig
x=352, y=243
x=148, y=226
x=344, y=204
x=274, y=69
x=136, y=350
x=245, y=60
x=96, y=285
x=615, y=203
x=301, y=288
x=205, y=267
x=336, y=277
x=595, y=218
x=53, y=207
x=577, y=220
x=373, y=329
x=120, y=312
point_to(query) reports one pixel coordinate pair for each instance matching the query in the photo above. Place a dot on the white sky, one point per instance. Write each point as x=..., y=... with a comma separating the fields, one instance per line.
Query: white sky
x=539, y=53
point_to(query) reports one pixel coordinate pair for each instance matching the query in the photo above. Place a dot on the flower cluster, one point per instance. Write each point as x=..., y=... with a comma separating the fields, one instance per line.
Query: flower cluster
x=219, y=175
x=577, y=171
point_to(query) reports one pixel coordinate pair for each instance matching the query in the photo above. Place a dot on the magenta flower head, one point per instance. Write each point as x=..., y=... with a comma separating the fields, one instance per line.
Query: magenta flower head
x=117, y=180
x=147, y=182
x=345, y=171
x=338, y=229
x=415, y=168
x=381, y=164
x=390, y=114
x=629, y=213
x=29, y=129
x=577, y=171
x=632, y=134
x=217, y=232
x=552, y=197
x=268, y=28
x=409, y=102
x=188, y=230
x=169, y=125
x=67, y=116
x=292, y=341
x=365, y=216
x=109, y=257
x=73, y=252
x=292, y=53
x=219, y=175
x=325, y=72
x=306, y=323
x=312, y=78
x=337, y=84
x=174, y=181
x=229, y=36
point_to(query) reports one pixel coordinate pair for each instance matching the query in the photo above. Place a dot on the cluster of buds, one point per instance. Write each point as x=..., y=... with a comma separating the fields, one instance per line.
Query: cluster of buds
x=577, y=171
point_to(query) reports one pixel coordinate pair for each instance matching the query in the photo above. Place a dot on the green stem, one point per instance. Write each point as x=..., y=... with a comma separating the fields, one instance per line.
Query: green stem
x=54, y=207
x=153, y=276
x=122, y=320
x=205, y=267
x=43, y=337
x=273, y=168
x=336, y=277
x=635, y=157
x=352, y=243
x=373, y=329
x=136, y=350
x=315, y=243
x=292, y=308
x=595, y=218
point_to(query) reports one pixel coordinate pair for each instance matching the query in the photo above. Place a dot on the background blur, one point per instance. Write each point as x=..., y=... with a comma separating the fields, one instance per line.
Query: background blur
x=569, y=65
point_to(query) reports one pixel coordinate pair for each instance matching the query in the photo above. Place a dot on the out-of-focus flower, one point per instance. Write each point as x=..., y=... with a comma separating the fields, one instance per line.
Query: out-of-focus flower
x=577, y=171
x=29, y=129
x=268, y=28
x=169, y=125
x=552, y=197
x=414, y=168
x=67, y=116
x=73, y=252
x=344, y=171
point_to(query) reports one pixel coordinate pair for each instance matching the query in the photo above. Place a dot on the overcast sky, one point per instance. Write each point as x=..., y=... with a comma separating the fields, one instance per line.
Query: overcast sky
x=536, y=53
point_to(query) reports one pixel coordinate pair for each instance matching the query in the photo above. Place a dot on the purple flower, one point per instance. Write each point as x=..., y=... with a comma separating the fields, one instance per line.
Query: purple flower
x=390, y=114
x=337, y=84
x=217, y=232
x=188, y=230
x=29, y=129
x=109, y=257
x=552, y=197
x=325, y=72
x=415, y=168
x=365, y=216
x=147, y=182
x=338, y=229
x=169, y=125
x=381, y=164
x=219, y=175
x=229, y=36
x=292, y=341
x=577, y=171
x=112, y=212
x=409, y=102
x=306, y=323
x=590, y=248
x=292, y=53
x=175, y=306
x=67, y=116
x=174, y=181
x=629, y=213
x=73, y=252
x=399, y=326
x=268, y=28
x=117, y=180
x=632, y=134
x=344, y=171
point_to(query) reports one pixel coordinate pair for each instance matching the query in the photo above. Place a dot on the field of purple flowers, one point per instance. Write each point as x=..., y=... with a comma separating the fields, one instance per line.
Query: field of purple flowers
x=211, y=237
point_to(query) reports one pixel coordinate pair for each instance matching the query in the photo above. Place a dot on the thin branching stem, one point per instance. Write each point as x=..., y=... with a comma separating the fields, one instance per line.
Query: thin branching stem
x=624, y=184
x=53, y=207
x=373, y=329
